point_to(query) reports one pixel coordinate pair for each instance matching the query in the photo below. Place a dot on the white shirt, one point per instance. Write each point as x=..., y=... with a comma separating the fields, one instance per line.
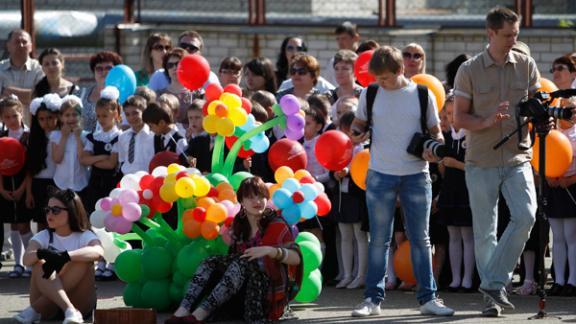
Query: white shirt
x=313, y=166
x=70, y=174
x=322, y=85
x=143, y=150
x=48, y=172
x=74, y=241
x=106, y=137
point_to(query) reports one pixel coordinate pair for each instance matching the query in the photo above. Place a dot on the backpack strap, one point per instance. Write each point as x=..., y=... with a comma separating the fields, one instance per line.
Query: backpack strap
x=423, y=99
x=371, y=93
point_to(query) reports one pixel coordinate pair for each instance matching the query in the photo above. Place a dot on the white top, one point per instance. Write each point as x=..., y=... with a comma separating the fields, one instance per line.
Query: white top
x=181, y=145
x=143, y=150
x=70, y=174
x=159, y=81
x=102, y=136
x=322, y=85
x=313, y=166
x=395, y=119
x=48, y=172
x=74, y=241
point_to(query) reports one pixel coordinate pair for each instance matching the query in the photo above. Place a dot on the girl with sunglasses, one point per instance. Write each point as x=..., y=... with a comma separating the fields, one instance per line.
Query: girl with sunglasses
x=62, y=257
x=414, y=60
x=304, y=73
x=291, y=46
x=157, y=45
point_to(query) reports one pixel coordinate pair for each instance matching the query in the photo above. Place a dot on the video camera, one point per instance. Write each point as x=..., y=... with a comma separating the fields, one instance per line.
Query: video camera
x=421, y=142
x=538, y=110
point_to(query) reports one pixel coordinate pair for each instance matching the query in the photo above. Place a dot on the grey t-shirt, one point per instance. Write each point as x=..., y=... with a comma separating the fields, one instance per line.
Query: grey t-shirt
x=395, y=119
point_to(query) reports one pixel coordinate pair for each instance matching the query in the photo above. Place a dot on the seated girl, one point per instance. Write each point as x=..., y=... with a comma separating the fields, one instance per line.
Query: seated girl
x=62, y=260
x=259, y=272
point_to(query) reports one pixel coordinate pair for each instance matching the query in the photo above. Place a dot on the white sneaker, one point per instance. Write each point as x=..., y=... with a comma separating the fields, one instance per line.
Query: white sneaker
x=436, y=307
x=366, y=308
x=28, y=316
x=73, y=316
x=344, y=282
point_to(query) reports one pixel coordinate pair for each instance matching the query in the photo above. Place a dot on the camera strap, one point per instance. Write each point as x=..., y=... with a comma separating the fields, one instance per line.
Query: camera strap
x=371, y=93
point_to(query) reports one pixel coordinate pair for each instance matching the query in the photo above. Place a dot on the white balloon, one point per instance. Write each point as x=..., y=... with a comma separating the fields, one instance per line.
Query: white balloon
x=193, y=171
x=130, y=181
x=97, y=218
x=319, y=186
x=116, y=192
x=111, y=250
x=140, y=174
x=147, y=194
x=97, y=206
x=160, y=171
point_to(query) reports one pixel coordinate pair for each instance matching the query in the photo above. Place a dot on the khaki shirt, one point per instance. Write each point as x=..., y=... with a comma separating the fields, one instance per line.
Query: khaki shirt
x=487, y=84
x=26, y=78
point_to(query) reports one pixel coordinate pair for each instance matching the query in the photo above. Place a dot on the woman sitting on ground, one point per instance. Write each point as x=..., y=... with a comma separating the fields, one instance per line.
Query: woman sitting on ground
x=259, y=272
x=62, y=258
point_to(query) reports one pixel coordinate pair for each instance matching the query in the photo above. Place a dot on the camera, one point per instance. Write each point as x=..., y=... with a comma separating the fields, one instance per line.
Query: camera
x=421, y=142
x=536, y=108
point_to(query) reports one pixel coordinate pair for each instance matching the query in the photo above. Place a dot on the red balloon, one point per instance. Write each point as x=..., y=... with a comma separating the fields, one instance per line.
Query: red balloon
x=193, y=71
x=323, y=203
x=163, y=159
x=230, y=140
x=213, y=92
x=361, y=68
x=233, y=88
x=145, y=181
x=199, y=214
x=247, y=105
x=205, y=108
x=307, y=179
x=333, y=150
x=213, y=192
x=298, y=197
x=289, y=153
x=160, y=205
x=12, y=156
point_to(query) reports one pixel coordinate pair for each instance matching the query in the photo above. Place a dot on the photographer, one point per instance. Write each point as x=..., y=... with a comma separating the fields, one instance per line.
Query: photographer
x=486, y=87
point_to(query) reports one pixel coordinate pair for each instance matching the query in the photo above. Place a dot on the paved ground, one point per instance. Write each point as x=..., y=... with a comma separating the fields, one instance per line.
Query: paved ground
x=333, y=306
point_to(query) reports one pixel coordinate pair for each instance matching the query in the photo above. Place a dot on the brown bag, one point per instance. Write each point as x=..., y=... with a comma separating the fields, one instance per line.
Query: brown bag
x=125, y=315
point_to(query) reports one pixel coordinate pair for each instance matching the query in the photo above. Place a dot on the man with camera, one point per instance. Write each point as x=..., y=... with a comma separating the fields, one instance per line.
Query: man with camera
x=488, y=88
x=393, y=110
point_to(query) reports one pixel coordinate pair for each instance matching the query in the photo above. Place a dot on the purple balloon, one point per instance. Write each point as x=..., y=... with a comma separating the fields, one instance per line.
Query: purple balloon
x=290, y=104
x=117, y=224
x=294, y=134
x=295, y=122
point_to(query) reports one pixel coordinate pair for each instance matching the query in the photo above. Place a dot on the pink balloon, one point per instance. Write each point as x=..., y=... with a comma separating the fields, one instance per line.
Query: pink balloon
x=236, y=210
x=128, y=196
x=117, y=224
x=106, y=203
x=294, y=134
x=131, y=211
x=229, y=207
x=225, y=233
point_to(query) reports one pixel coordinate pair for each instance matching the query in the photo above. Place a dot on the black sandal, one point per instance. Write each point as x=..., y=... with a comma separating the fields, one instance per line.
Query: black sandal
x=17, y=272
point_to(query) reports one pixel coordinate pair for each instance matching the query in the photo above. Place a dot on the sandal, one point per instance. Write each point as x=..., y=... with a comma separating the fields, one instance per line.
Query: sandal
x=528, y=288
x=27, y=273
x=17, y=272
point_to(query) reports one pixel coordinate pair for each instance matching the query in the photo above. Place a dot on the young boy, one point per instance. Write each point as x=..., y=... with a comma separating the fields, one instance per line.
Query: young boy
x=136, y=145
x=200, y=143
x=166, y=137
x=173, y=103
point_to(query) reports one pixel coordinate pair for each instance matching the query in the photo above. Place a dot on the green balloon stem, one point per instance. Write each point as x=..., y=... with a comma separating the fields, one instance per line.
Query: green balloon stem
x=150, y=223
x=128, y=237
x=233, y=154
x=145, y=237
x=165, y=228
x=180, y=228
x=218, y=153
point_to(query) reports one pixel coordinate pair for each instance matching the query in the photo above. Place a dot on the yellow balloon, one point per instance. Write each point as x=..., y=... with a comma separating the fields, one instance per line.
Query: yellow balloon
x=210, y=124
x=225, y=127
x=301, y=174
x=185, y=187
x=168, y=192
x=175, y=168
x=171, y=178
x=216, y=213
x=231, y=100
x=202, y=186
x=212, y=106
x=283, y=173
x=238, y=116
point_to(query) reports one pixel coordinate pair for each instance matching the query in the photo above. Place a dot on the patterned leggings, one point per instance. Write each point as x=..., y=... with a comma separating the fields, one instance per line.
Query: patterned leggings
x=233, y=274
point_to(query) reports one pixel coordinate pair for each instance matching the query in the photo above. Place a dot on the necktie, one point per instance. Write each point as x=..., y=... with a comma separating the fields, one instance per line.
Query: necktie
x=131, y=148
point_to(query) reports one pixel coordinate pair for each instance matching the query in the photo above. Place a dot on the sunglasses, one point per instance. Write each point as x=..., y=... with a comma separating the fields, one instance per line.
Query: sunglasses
x=190, y=48
x=415, y=56
x=160, y=47
x=299, y=71
x=559, y=68
x=292, y=48
x=105, y=68
x=55, y=210
x=171, y=65
x=228, y=71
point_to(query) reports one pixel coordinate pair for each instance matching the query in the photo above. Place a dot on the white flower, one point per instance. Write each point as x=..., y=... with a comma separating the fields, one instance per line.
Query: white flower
x=110, y=93
x=35, y=104
x=52, y=101
x=77, y=101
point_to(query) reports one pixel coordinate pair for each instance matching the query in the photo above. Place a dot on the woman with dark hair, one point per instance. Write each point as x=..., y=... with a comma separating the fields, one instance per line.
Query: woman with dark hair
x=291, y=45
x=100, y=64
x=52, y=62
x=452, y=69
x=259, y=75
x=261, y=264
x=230, y=71
x=157, y=45
x=304, y=73
x=62, y=257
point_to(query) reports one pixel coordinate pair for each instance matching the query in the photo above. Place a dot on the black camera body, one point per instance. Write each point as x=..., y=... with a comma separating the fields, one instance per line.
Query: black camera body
x=421, y=142
x=537, y=109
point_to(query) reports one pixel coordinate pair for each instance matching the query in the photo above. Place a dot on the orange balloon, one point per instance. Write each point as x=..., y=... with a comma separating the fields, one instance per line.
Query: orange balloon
x=216, y=213
x=192, y=228
x=205, y=202
x=547, y=86
x=403, y=263
x=359, y=168
x=558, y=154
x=227, y=194
x=224, y=186
x=209, y=230
x=187, y=215
x=434, y=85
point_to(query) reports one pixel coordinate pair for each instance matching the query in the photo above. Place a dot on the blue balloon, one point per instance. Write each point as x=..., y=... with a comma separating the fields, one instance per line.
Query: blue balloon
x=308, y=209
x=249, y=124
x=291, y=214
x=309, y=191
x=260, y=143
x=282, y=198
x=158, y=81
x=291, y=185
x=123, y=78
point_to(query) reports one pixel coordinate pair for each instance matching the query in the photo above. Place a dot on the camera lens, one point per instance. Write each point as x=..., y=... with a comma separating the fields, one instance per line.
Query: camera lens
x=560, y=113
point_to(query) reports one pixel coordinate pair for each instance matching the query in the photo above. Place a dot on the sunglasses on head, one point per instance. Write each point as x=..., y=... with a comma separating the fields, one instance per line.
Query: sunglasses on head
x=190, y=48
x=101, y=69
x=160, y=47
x=55, y=210
x=414, y=56
x=299, y=71
x=171, y=65
x=292, y=48
x=559, y=68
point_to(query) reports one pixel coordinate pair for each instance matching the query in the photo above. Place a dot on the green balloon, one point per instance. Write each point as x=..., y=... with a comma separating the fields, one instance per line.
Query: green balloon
x=237, y=178
x=156, y=294
x=156, y=263
x=157, y=236
x=145, y=210
x=132, y=295
x=187, y=203
x=190, y=257
x=307, y=236
x=128, y=266
x=283, y=122
x=311, y=255
x=173, y=246
x=180, y=278
x=216, y=178
x=311, y=287
x=176, y=292
x=277, y=109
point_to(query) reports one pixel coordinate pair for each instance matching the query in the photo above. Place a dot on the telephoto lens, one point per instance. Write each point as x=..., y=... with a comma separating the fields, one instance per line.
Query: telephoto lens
x=560, y=113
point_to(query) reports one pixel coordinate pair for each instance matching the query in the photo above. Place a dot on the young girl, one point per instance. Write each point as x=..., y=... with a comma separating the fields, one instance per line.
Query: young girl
x=263, y=259
x=41, y=167
x=454, y=206
x=350, y=215
x=12, y=188
x=62, y=258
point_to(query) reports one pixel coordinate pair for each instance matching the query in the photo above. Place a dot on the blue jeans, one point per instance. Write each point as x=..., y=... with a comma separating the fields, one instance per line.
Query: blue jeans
x=496, y=259
x=415, y=192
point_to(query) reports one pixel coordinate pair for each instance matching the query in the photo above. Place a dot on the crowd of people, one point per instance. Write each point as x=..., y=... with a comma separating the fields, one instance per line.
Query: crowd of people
x=471, y=211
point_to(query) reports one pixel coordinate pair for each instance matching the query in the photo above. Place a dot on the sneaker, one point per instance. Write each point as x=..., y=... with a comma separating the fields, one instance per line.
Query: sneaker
x=491, y=309
x=29, y=315
x=498, y=296
x=366, y=308
x=73, y=316
x=344, y=282
x=357, y=283
x=436, y=307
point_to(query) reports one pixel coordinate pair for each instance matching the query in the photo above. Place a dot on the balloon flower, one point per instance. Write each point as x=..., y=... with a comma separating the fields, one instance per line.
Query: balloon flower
x=290, y=107
x=118, y=211
x=224, y=115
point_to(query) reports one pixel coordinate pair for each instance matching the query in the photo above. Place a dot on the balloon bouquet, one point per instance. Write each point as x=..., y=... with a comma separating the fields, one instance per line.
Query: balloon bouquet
x=206, y=205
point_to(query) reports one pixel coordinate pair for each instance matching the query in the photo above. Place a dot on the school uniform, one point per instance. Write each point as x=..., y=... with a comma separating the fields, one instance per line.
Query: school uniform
x=200, y=147
x=135, y=150
x=172, y=141
x=70, y=173
x=40, y=184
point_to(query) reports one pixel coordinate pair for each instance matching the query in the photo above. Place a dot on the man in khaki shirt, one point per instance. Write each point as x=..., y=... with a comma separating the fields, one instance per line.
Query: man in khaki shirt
x=488, y=88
